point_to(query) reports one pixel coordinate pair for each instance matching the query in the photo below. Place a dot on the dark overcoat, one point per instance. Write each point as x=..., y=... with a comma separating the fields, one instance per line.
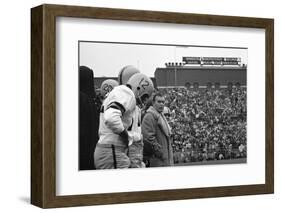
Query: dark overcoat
x=157, y=143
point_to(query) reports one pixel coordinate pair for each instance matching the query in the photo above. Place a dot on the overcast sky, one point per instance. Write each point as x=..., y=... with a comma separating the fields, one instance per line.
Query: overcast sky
x=107, y=59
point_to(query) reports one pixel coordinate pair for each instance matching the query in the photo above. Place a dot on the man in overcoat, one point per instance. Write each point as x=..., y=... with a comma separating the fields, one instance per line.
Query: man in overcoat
x=157, y=135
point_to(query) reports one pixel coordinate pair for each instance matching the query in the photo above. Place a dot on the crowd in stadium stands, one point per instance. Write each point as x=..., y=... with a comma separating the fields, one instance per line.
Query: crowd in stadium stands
x=207, y=124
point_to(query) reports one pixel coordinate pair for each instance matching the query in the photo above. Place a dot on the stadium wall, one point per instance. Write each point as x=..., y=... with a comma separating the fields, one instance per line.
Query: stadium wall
x=179, y=76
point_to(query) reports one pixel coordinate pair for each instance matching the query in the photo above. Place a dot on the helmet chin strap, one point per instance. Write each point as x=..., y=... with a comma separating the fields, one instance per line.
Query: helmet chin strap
x=138, y=99
x=139, y=103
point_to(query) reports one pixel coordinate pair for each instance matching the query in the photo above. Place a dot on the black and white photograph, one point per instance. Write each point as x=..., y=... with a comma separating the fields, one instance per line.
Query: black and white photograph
x=141, y=105
x=145, y=105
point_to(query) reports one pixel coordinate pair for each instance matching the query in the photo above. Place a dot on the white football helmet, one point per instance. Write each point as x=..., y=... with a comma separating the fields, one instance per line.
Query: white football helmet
x=107, y=86
x=126, y=73
x=141, y=85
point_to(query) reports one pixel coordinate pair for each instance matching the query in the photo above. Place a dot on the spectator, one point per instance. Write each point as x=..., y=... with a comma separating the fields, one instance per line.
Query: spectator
x=211, y=121
x=157, y=134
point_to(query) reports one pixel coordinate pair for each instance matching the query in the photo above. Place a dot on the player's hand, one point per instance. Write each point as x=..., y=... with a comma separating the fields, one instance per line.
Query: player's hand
x=134, y=136
x=124, y=135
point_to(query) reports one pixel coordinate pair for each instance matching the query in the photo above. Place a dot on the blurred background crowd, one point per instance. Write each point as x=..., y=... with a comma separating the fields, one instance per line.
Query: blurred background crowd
x=207, y=124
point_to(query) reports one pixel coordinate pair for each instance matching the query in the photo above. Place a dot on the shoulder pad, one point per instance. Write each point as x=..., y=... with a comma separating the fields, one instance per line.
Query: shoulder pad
x=118, y=106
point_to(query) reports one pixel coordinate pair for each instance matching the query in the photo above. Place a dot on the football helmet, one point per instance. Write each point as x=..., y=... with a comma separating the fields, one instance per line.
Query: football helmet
x=126, y=73
x=107, y=86
x=141, y=85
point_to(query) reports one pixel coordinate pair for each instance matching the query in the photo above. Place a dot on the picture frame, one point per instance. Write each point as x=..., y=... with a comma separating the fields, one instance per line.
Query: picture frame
x=43, y=105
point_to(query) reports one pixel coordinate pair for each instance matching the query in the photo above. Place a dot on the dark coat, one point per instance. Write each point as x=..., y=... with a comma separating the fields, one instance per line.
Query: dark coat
x=157, y=143
x=88, y=119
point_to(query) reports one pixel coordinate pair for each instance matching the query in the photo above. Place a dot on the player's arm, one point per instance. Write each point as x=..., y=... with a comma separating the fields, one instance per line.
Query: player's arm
x=112, y=117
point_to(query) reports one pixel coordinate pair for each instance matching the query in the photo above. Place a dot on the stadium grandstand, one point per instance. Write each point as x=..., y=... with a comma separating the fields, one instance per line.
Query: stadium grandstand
x=202, y=72
x=206, y=97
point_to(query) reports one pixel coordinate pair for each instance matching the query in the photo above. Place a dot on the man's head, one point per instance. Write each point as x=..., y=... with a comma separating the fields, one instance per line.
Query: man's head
x=158, y=102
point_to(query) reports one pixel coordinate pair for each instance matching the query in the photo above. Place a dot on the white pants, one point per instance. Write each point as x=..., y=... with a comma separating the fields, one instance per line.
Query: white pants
x=104, y=158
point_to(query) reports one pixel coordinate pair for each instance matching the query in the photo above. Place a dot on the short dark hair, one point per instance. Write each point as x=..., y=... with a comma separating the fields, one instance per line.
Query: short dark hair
x=158, y=94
